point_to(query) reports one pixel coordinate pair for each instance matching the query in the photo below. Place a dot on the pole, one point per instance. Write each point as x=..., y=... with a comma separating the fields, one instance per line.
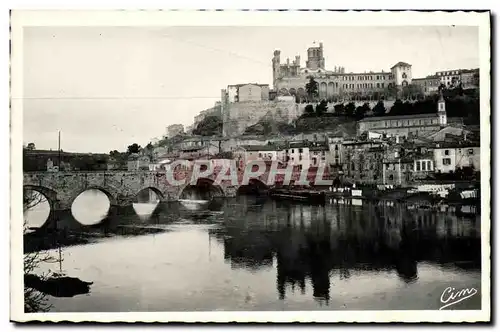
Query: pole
x=59, y=149
x=59, y=152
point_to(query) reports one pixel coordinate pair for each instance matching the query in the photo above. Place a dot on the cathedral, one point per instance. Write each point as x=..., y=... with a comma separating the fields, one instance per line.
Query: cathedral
x=290, y=79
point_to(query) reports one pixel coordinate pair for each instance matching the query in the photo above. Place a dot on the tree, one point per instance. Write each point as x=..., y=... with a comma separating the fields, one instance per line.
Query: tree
x=359, y=113
x=350, y=109
x=322, y=108
x=412, y=91
x=379, y=109
x=312, y=88
x=339, y=109
x=134, y=148
x=309, y=110
x=397, y=108
x=31, y=146
x=34, y=300
x=391, y=92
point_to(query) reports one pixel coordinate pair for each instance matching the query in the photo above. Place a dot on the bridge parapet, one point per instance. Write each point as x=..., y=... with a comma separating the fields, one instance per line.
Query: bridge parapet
x=62, y=188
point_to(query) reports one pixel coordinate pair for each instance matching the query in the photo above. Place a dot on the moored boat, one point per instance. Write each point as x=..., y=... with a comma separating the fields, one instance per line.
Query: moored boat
x=194, y=204
x=298, y=195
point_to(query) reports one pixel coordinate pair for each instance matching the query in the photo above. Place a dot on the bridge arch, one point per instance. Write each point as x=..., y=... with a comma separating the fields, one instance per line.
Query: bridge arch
x=158, y=192
x=254, y=187
x=112, y=195
x=204, y=187
x=48, y=193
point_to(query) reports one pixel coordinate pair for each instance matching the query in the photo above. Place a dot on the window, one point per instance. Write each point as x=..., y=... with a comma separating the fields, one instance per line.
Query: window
x=300, y=150
x=446, y=161
x=292, y=151
x=471, y=152
x=418, y=166
x=429, y=165
x=423, y=166
x=300, y=158
x=260, y=155
x=391, y=177
x=446, y=152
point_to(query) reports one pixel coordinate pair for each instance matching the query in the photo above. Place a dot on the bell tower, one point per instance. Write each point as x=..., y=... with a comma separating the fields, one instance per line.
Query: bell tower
x=441, y=106
x=276, y=66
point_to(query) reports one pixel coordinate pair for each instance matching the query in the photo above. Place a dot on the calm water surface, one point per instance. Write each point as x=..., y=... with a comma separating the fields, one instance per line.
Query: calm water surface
x=248, y=253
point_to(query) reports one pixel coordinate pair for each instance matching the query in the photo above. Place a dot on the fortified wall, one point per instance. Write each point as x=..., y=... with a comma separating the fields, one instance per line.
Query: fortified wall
x=238, y=116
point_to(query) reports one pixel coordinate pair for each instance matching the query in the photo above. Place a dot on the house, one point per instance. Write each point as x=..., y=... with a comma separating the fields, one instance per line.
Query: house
x=246, y=153
x=51, y=167
x=335, y=149
x=318, y=155
x=297, y=154
x=362, y=160
x=403, y=126
x=406, y=126
x=137, y=162
x=450, y=156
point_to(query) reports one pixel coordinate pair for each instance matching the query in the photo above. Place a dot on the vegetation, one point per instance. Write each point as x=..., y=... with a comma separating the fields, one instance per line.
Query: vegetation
x=210, y=126
x=379, y=109
x=312, y=88
x=465, y=106
x=133, y=148
x=35, y=301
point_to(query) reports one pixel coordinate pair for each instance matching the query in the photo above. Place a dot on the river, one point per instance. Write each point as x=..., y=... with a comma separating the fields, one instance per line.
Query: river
x=250, y=253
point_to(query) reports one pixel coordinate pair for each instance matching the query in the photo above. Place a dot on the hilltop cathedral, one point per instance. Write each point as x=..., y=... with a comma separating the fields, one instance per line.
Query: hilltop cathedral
x=289, y=79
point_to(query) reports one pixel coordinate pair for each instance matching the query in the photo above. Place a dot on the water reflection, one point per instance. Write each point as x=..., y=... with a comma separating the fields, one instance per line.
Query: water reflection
x=314, y=242
x=91, y=198
x=37, y=210
x=276, y=255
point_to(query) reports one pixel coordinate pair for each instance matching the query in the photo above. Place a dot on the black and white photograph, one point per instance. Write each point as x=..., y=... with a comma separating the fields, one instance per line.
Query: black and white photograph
x=245, y=166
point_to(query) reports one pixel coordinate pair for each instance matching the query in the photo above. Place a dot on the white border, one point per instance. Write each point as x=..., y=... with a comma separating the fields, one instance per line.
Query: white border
x=22, y=19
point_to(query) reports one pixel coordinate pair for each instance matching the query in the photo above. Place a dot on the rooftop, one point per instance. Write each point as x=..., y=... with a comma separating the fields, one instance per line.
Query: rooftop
x=266, y=147
x=401, y=64
x=395, y=117
x=242, y=84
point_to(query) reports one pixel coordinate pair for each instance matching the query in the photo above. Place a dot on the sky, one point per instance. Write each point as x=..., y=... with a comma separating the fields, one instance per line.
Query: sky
x=105, y=88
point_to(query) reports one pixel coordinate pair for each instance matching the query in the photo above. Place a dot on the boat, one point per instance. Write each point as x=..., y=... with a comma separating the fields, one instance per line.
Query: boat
x=194, y=204
x=298, y=195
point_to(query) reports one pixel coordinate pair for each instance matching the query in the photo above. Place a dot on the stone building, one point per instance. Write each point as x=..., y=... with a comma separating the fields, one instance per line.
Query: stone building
x=247, y=92
x=335, y=149
x=137, y=162
x=362, y=160
x=406, y=126
x=449, y=157
x=246, y=153
x=297, y=154
x=318, y=155
x=469, y=78
x=429, y=85
x=290, y=78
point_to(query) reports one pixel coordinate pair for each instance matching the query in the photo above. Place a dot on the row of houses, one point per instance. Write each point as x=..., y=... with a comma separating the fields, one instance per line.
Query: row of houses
x=371, y=158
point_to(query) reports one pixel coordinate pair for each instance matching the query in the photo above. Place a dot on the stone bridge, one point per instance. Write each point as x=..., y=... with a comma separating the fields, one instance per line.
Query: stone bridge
x=121, y=188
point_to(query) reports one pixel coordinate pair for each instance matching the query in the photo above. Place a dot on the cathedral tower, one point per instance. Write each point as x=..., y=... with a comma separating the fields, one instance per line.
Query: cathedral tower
x=315, y=59
x=276, y=66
